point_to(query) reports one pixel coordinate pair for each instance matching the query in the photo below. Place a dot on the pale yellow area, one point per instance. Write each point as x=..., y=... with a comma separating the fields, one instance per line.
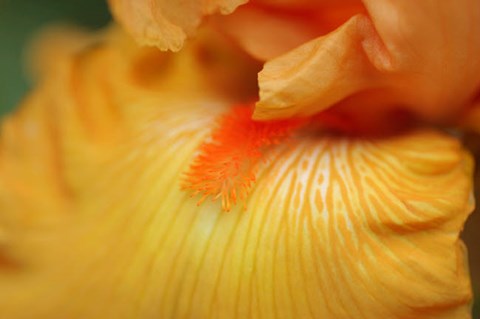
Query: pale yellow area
x=93, y=223
x=167, y=24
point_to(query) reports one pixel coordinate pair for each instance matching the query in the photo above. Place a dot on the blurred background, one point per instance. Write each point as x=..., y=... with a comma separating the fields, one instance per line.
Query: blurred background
x=21, y=19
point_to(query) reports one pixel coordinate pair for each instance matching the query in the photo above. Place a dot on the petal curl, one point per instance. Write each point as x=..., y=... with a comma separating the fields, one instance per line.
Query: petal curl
x=419, y=55
x=335, y=227
x=166, y=24
x=316, y=75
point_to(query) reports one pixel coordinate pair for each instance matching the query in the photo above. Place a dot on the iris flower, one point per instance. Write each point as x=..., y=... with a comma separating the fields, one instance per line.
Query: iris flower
x=139, y=183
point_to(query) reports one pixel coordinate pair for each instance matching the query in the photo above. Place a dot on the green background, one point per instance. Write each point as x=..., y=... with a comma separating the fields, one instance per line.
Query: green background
x=19, y=19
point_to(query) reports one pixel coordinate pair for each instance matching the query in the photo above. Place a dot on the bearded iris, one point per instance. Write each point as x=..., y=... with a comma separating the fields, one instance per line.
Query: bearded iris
x=342, y=216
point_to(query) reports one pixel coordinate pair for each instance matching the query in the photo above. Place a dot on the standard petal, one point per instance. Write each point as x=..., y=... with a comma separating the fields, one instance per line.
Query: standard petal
x=388, y=52
x=272, y=34
x=334, y=228
x=166, y=24
x=280, y=26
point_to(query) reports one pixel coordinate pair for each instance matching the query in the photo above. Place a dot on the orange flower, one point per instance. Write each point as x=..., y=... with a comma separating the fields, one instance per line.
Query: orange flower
x=354, y=212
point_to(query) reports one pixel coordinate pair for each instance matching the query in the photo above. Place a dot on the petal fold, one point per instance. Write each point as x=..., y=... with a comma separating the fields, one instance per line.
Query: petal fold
x=390, y=52
x=316, y=75
x=166, y=24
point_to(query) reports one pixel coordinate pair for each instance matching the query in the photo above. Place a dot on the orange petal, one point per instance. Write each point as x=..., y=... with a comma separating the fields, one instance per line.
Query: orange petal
x=315, y=75
x=283, y=25
x=271, y=34
x=418, y=55
x=166, y=24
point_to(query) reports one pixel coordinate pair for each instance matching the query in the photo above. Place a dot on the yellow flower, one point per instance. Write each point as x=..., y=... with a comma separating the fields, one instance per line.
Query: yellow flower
x=94, y=222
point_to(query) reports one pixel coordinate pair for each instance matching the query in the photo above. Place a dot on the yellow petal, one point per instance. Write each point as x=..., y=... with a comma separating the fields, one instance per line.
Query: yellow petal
x=94, y=224
x=472, y=238
x=418, y=55
x=166, y=24
x=470, y=125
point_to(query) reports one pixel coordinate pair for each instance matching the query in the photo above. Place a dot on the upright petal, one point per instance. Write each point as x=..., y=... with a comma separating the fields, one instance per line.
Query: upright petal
x=422, y=56
x=280, y=26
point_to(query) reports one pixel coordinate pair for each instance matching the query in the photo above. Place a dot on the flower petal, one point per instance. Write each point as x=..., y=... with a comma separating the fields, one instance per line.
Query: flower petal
x=166, y=24
x=388, y=53
x=335, y=227
x=314, y=76
x=281, y=26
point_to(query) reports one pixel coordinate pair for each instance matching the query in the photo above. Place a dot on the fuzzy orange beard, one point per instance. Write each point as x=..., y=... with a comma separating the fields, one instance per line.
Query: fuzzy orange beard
x=227, y=164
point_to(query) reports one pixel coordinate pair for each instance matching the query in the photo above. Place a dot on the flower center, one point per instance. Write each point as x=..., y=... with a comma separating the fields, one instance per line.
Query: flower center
x=227, y=163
